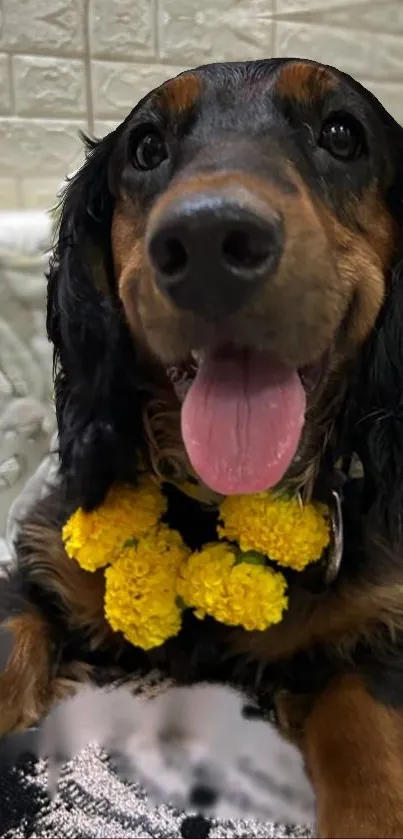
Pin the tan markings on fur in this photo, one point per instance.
(81, 592)
(379, 240)
(343, 283)
(291, 299)
(353, 751)
(127, 237)
(164, 325)
(179, 95)
(25, 682)
(304, 83)
(363, 253)
(352, 261)
(29, 686)
(135, 279)
(378, 226)
(161, 411)
(353, 264)
(292, 711)
(241, 186)
(338, 619)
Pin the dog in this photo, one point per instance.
(240, 231)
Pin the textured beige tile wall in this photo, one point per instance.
(71, 64)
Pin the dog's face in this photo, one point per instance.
(253, 224)
(253, 212)
(252, 230)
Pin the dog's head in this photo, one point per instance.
(245, 219)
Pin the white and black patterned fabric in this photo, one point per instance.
(93, 802)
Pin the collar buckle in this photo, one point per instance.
(335, 550)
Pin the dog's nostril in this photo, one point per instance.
(173, 257)
(244, 250)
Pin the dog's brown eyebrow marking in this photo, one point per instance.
(304, 83)
(180, 94)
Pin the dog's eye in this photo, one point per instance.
(343, 137)
(150, 151)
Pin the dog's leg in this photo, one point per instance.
(32, 678)
(354, 755)
(25, 670)
(41, 584)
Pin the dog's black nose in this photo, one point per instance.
(211, 252)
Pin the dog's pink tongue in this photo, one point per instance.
(241, 421)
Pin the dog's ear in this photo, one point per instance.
(374, 413)
(96, 369)
(379, 420)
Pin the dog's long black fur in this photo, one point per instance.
(101, 385)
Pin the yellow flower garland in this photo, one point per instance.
(292, 535)
(151, 577)
(96, 539)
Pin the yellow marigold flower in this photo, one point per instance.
(140, 592)
(96, 538)
(152, 577)
(202, 578)
(236, 593)
(256, 597)
(280, 528)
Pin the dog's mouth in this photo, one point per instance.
(242, 417)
